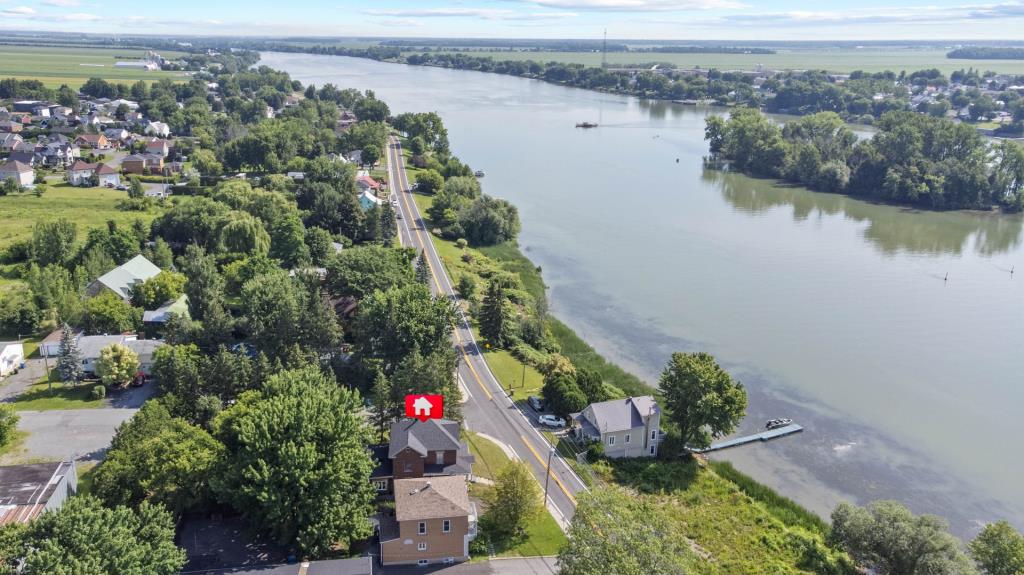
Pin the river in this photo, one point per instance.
(832, 311)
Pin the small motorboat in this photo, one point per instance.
(586, 125)
(479, 173)
(777, 423)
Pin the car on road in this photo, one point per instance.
(551, 421)
(535, 402)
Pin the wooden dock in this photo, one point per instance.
(763, 436)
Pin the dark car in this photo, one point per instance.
(535, 402)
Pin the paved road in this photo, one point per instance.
(516, 566)
(488, 409)
(80, 433)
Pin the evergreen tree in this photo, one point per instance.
(494, 317)
(388, 224)
(205, 285)
(423, 268)
(69, 364)
(383, 405)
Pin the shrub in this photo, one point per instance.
(462, 243)
(8, 422)
(98, 392)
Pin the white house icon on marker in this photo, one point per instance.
(422, 406)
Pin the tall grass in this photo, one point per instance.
(783, 508)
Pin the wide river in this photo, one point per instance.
(896, 337)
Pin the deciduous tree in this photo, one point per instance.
(702, 398)
(117, 365)
(515, 501)
(999, 549)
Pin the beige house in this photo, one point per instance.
(21, 173)
(434, 522)
(628, 427)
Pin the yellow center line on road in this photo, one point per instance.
(403, 184)
(543, 463)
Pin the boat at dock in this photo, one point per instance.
(586, 125)
(479, 173)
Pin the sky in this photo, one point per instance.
(623, 19)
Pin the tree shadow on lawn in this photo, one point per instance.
(653, 475)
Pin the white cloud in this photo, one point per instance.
(639, 5)
(482, 13)
(880, 15)
(18, 12)
(62, 3)
(77, 17)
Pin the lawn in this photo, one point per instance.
(841, 60)
(510, 373)
(39, 397)
(489, 457)
(86, 475)
(74, 65)
(87, 207)
(13, 447)
(543, 537)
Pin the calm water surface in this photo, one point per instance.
(832, 311)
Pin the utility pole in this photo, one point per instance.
(547, 478)
(523, 382)
(604, 50)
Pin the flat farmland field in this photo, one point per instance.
(73, 66)
(839, 60)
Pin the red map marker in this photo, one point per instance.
(424, 407)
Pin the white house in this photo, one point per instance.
(21, 173)
(50, 346)
(158, 129)
(107, 176)
(626, 427)
(12, 354)
(90, 346)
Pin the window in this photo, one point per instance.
(423, 528)
(449, 560)
(422, 562)
(611, 440)
(408, 467)
(446, 526)
(381, 484)
(421, 547)
(627, 438)
(652, 450)
(654, 434)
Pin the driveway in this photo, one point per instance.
(73, 433)
(14, 385)
(516, 566)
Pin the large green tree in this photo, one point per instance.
(117, 365)
(613, 531)
(158, 458)
(702, 399)
(108, 313)
(515, 500)
(358, 272)
(496, 316)
(887, 538)
(53, 242)
(205, 286)
(69, 360)
(159, 289)
(84, 537)
(296, 461)
(999, 549)
(392, 323)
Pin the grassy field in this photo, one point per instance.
(73, 66)
(873, 59)
(87, 207)
(38, 397)
(736, 533)
(489, 457)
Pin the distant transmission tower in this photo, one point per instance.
(604, 50)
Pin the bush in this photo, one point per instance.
(462, 243)
(98, 392)
(8, 422)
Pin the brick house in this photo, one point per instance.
(420, 449)
(434, 522)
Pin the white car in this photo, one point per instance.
(551, 421)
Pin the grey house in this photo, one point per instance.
(124, 277)
(628, 427)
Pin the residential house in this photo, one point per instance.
(26, 491)
(9, 141)
(154, 320)
(26, 105)
(626, 427)
(122, 279)
(58, 154)
(159, 129)
(50, 346)
(107, 176)
(11, 126)
(16, 170)
(90, 347)
(434, 521)
(365, 182)
(367, 200)
(94, 141)
(355, 156)
(12, 354)
(80, 173)
(142, 164)
(116, 136)
(420, 449)
(158, 147)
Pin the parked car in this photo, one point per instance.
(551, 421)
(535, 402)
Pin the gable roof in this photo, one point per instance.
(621, 414)
(368, 182)
(26, 490)
(122, 278)
(431, 498)
(423, 436)
(15, 166)
(103, 169)
(81, 166)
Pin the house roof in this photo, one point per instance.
(423, 436)
(26, 489)
(620, 414)
(89, 346)
(385, 467)
(4, 344)
(134, 158)
(163, 313)
(15, 166)
(368, 182)
(431, 498)
(91, 137)
(81, 166)
(103, 169)
(144, 348)
(122, 278)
